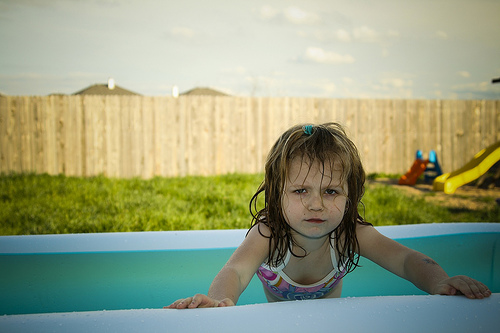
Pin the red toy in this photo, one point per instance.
(416, 170)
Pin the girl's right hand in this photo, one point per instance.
(199, 301)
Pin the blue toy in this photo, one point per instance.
(433, 168)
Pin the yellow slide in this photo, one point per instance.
(476, 167)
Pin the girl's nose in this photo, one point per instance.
(315, 203)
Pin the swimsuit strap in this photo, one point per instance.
(281, 266)
(333, 257)
(327, 278)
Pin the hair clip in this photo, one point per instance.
(308, 129)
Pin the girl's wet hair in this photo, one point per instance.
(326, 144)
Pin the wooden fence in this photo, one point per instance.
(135, 136)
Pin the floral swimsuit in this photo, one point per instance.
(284, 288)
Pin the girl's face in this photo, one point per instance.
(313, 199)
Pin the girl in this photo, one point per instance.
(309, 234)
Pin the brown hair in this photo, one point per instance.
(325, 143)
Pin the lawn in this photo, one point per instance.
(43, 204)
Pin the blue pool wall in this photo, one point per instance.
(88, 272)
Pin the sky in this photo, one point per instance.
(422, 49)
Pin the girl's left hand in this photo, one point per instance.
(462, 284)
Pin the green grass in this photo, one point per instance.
(43, 204)
(386, 205)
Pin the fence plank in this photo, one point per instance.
(9, 128)
(171, 137)
(25, 123)
(75, 111)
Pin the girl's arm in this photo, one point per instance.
(235, 276)
(414, 266)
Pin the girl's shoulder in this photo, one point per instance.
(365, 230)
(351, 231)
(259, 230)
(276, 251)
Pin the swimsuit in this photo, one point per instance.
(284, 288)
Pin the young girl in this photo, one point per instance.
(309, 234)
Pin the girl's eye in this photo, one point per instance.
(330, 191)
(300, 191)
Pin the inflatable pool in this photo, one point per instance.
(121, 281)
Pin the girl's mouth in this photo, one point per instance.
(315, 220)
